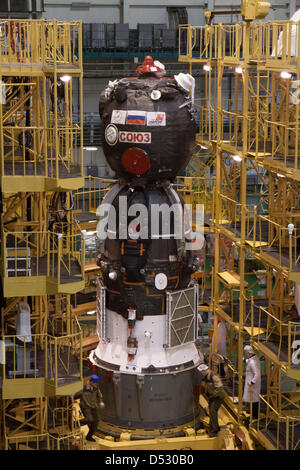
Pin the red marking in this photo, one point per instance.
(147, 65)
(140, 137)
(136, 161)
(108, 375)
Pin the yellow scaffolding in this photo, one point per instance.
(254, 132)
(42, 247)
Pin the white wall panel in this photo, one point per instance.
(99, 12)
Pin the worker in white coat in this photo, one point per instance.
(221, 346)
(252, 386)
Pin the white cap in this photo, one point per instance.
(202, 367)
(248, 349)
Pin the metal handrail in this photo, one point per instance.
(274, 325)
(272, 415)
(32, 41)
(51, 251)
(50, 347)
(90, 196)
(39, 440)
(283, 239)
(269, 41)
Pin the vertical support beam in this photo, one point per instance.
(55, 136)
(1, 128)
(218, 214)
(59, 255)
(243, 193)
(55, 362)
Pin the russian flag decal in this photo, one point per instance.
(136, 117)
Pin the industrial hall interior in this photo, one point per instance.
(150, 225)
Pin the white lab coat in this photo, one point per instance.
(221, 342)
(252, 375)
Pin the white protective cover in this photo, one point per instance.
(221, 342)
(23, 323)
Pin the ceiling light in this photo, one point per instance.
(285, 74)
(91, 312)
(207, 67)
(90, 149)
(237, 158)
(65, 78)
(239, 70)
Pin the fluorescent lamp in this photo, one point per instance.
(280, 175)
(239, 70)
(237, 158)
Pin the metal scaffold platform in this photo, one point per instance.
(254, 132)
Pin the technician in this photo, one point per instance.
(90, 404)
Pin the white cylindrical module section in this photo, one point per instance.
(150, 334)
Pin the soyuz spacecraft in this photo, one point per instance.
(146, 301)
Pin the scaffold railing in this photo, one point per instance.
(205, 43)
(45, 441)
(283, 337)
(40, 42)
(276, 42)
(207, 120)
(231, 212)
(281, 139)
(231, 381)
(197, 190)
(89, 197)
(42, 156)
(271, 44)
(282, 430)
(42, 356)
(29, 254)
(279, 242)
